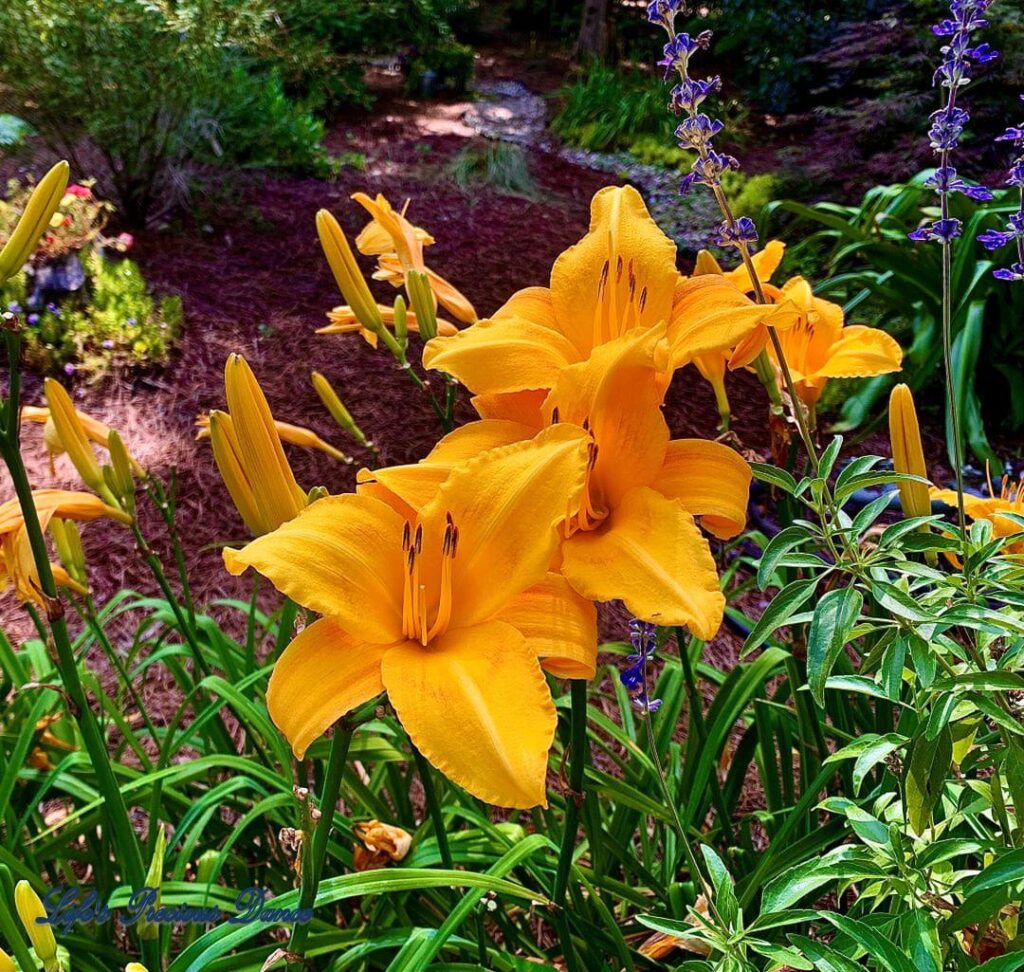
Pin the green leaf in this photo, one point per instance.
(824, 957)
(868, 751)
(834, 619)
(774, 476)
(782, 607)
(927, 768)
(847, 862)
(880, 948)
(775, 550)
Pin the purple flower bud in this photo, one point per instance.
(69, 369)
(942, 229)
(993, 239)
(14, 307)
(108, 344)
(1013, 275)
(742, 233)
(32, 318)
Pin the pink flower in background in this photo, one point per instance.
(125, 241)
(83, 192)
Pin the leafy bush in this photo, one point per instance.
(871, 267)
(499, 165)
(113, 323)
(178, 83)
(608, 109)
(447, 66)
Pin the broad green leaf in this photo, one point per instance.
(834, 618)
(927, 768)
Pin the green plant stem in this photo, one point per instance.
(317, 848)
(433, 806)
(697, 717)
(114, 807)
(951, 402)
(577, 767)
(156, 569)
(156, 493)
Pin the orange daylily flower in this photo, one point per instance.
(343, 320)
(632, 536)
(819, 346)
(17, 565)
(250, 458)
(398, 246)
(297, 435)
(95, 431)
(450, 610)
(712, 364)
(619, 277)
(993, 508)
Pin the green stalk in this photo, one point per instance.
(697, 717)
(433, 806)
(114, 807)
(316, 849)
(577, 766)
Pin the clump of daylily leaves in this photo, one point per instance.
(443, 616)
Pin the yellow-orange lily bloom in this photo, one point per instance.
(907, 451)
(405, 253)
(17, 565)
(297, 435)
(343, 320)
(712, 364)
(619, 277)
(993, 508)
(632, 536)
(447, 610)
(819, 346)
(94, 429)
(248, 452)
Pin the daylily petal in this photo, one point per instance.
(342, 557)
(451, 298)
(626, 250)
(406, 242)
(560, 627)
(484, 681)
(710, 314)
(416, 484)
(711, 480)
(766, 261)
(860, 353)
(324, 673)
(61, 503)
(506, 504)
(530, 304)
(523, 406)
(617, 394)
(505, 354)
(651, 556)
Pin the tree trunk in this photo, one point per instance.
(593, 37)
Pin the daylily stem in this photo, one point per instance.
(433, 806)
(577, 767)
(114, 807)
(317, 848)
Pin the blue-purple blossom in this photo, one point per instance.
(690, 93)
(942, 229)
(945, 179)
(663, 12)
(1015, 274)
(643, 636)
(697, 130)
(959, 55)
(743, 232)
(993, 239)
(32, 318)
(14, 307)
